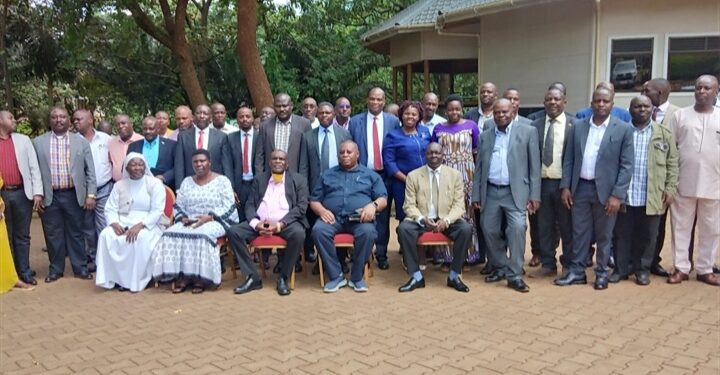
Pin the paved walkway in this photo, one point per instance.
(73, 327)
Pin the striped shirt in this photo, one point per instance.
(60, 161)
(637, 192)
(282, 135)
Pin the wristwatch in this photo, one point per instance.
(92, 196)
(375, 204)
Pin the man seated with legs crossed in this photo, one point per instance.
(346, 199)
(428, 210)
(276, 205)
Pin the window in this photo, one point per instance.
(691, 57)
(630, 63)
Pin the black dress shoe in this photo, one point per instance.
(282, 286)
(616, 277)
(658, 270)
(601, 283)
(92, 267)
(53, 277)
(383, 264)
(298, 267)
(488, 269)
(249, 285)
(494, 277)
(716, 269)
(84, 275)
(29, 280)
(33, 273)
(411, 285)
(518, 285)
(642, 279)
(570, 279)
(458, 285)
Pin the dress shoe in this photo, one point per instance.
(411, 285)
(716, 269)
(601, 283)
(92, 267)
(534, 261)
(33, 273)
(544, 272)
(383, 264)
(488, 269)
(29, 280)
(458, 285)
(616, 277)
(494, 277)
(642, 278)
(571, 279)
(53, 277)
(677, 277)
(282, 286)
(657, 270)
(276, 269)
(709, 278)
(84, 275)
(310, 258)
(518, 285)
(249, 285)
(298, 267)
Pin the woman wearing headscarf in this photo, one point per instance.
(134, 211)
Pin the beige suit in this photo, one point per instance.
(28, 165)
(451, 202)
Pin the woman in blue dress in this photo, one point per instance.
(404, 150)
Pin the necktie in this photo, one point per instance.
(434, 194)
(201, 140)
(325, 152)
(547, 156)
(246, 160)
(654, 113)
(376, 146)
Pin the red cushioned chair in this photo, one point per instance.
(432, 239)
(276, 243)
(343, 240)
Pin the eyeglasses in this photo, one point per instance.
(343, 106)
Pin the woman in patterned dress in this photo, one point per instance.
(459, 138)
(205, 208)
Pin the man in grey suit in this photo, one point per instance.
(597, 168)
(68, 176)
(22, 191)
(242, 144)
(282, 132)
(507, 185)
(205, 137)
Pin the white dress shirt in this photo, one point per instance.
(369, 134)
(250, 134)
(101, 157)
(592, 147)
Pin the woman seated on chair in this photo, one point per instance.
(187, 252)
(134, 211)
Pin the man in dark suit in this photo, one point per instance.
(597, 168)
(282, 132)
(202, 136)
(243, 144)
(68, 177)
(320, 153)
(158, 151)
(507, 185)
(488, 96)
(368, 130)
(553, 218)
(277, 206)
(541, 113)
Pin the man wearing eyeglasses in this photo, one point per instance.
(343, 109)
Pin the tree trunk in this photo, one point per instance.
(3, 58)
(188, 76)
(249, 54)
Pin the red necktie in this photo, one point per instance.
(376, 146)
(200, 140)
(246, 144)
(654, 113)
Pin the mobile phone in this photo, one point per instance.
(190, 222)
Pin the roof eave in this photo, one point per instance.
(460, 16)
(369, 40)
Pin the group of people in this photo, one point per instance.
(606, 176)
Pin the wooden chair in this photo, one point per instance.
(276, 243)
(433, 239)
(343, 240)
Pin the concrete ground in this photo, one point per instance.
(71, 326)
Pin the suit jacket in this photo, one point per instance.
(82, 168)
(358, 132)
(235, 140)
(310, 156)
(166, 158)
(614, 165)
(539, 124)
(296, 193)
(473, 114)
(451, 200)
(541, 114)
(523, 161)
(491, 123)
(218, 148)
(28, 164)
(266, 145)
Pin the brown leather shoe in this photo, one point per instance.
(677, 277)
(709, 278)
(534, 261)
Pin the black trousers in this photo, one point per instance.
(62, 223)
(409, 231)
(635, 236)
(535, 241)
(240, 236)
(18, 216)
(554, 222)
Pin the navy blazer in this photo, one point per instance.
(358, 131)
(310, 153)
(296, 193)
(219, 150)
(166, 158)
(614, 165)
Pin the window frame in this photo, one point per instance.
(653, 65)
(666, 54)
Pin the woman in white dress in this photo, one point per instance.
(187, 252)
(134, 210)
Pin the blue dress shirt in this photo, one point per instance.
(498, 173)
(151, 151)
(342, 191)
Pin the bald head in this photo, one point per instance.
(430, 103)
(283, 106)
(706, 92)
(183, 117)
(606, 85)
(488, 95)
(7, 123)
(657, 90)
(202, 116)
(503, 113)
(641, 108)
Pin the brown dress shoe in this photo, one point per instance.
(677, 277)
(534, 261)
(709, 278)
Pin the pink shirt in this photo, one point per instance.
(118, 150)
(274, 205)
